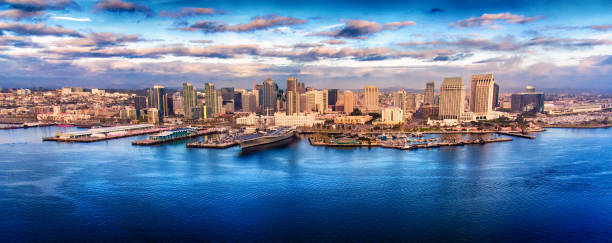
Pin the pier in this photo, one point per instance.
(406, 146)
(100, 134)
(212, 145)
(516, 134)
(165, 138)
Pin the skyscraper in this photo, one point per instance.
(399, 99)
(528, 101)
(495, 95)
(481, 94)
(227, 96)
(411, 102)
(189, 99)
(349, 102)
(333, 96)
(159, 99)
(211, 99)
(452, 98)
(140, 102)
(371, 98)
(293, 97)
(268, 97)
(316, 100)
(429, 93)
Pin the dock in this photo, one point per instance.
(408, 147)
(516, 134)
(101, 134)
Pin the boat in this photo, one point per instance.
(65, 125)
(272, 137)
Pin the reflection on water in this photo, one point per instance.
(553, 188)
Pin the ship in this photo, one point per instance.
(273, 137)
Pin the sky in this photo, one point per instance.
(326, 44)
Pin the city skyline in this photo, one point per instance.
(134, 44)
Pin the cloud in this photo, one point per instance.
(447, 58)
(17, 41)
(334, 42)
(18, 14)
(189, 12)
(607, 61)
(37, 29)
(508, 43)
(201, 41)
(119, 6)
(306, 45)
(397, 25)
(214, 51)
(71, 18)
(600, 27)
(257, 23)
(491, 19)
(361, 29)
(101, 39)
(436, 10)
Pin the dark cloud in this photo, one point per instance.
(334, 42)
(37, 29)
(362, 29)
(190, 12)
(17, 41)
(201, 41)
(306, 45)
(257, 23)
(119, 6)
(38, 5)
(604, 27)
(449, 58)
(490, 19)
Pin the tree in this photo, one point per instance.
(356, 112)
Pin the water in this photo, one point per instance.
(555, 188)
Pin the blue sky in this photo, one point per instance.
(327, 44)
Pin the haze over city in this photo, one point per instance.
(328, 44)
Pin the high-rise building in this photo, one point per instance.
(249, 101)
(238, 100)
(495, 95)
(316, 100)
(212, 106)
(140, 102)
(293, 97)
(528, 101)
(411, 102)
(333, 96)
(269, 95)
(189, 99)
(399, 99)
(392, 115)
(371, 98)
(452, 98)
(349, 102)
(481, 94)
(158, 99)
(301, 87)
(178, 103)
(429, 93)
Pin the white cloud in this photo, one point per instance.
(72, 19)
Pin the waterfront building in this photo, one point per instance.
(352, 120)
(481, 95)
(528, 101)
(452, 98)
(189, 99)
(211, 100)
(371, 98)
(151, 115)
(392, 115)
(269, 94)
(429, 93)
(349, 102)
(306, 120)
(399, 99)
(293, 98)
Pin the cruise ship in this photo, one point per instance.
(275, 136)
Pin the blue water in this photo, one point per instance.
(557, 187)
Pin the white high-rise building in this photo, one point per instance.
(452, 98)
(399, 99)
(481, 94)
